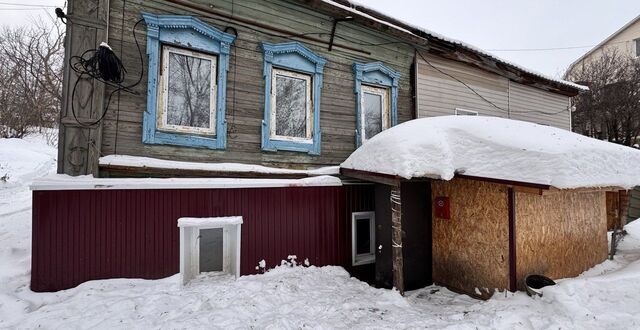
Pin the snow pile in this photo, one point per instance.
(605, 297)
(498, 148)
(85, 182)
(145, 162)
(214, 221)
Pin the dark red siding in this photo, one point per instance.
(98, 234)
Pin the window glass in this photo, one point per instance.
(363, 236)
(188, 95)
(372, 105)
(291, 106)
(189, 91)
(375, 111)
(211, 250)
(637, 47)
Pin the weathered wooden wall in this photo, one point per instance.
(471, 249)
(634, 204)
(79, 145)
(561, 234)
(245, 85)
(439, 94)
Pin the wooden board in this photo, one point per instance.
(471, 249)
(560, 235)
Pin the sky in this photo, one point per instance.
(493, 25)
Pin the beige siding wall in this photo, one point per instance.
(623, 43)
(440, 95)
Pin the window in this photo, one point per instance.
(292, 115)
(186, 92)
(463, 112)
(375, 108)
(376, 88)
(363, 240)
(293, 80)
(209, 245)
(637, 44)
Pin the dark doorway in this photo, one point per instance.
(416, 235)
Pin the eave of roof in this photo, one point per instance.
(603, 42)
(464, 52)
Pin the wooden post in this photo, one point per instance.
(511, 202)
(79, 146)
(396, 238)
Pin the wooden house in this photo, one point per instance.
(285, 91)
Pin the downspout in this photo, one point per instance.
(414, 84)
(511, 204)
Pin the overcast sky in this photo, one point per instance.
(489, 24)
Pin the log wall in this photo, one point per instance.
(122, 133)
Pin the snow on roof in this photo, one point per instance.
(497, 148)
(145, 162)
(87, 182)
(355, 4)
(209, 222)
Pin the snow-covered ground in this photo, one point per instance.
(605, 297)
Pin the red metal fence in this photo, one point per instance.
(83, 235)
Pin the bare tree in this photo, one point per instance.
(611, 108)
(31, 62)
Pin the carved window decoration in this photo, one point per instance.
(376, 89)
(293, 80)
(188, 63)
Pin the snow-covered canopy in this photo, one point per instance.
(490, 147)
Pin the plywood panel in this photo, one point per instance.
(471, 249)
(560, 235)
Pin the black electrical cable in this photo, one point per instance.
(108, 70)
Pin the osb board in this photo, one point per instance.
(471, 249)
(613, 209)
(560, 235)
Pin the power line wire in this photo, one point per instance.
(26, 5)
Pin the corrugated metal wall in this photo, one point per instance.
(99, 234)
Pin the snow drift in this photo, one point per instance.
(490, 147)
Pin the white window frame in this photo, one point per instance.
(383, 92)
(465, 112)
(366, 258)
(164, 92)
(309, 105)
(190, 246)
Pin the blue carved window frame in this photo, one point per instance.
(292, 56)
(375, 74)
(190, 33)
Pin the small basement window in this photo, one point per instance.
(209, 245)
(375, 106)
(291, 100)
(464, 112)
(363, 239)
(187, 100)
